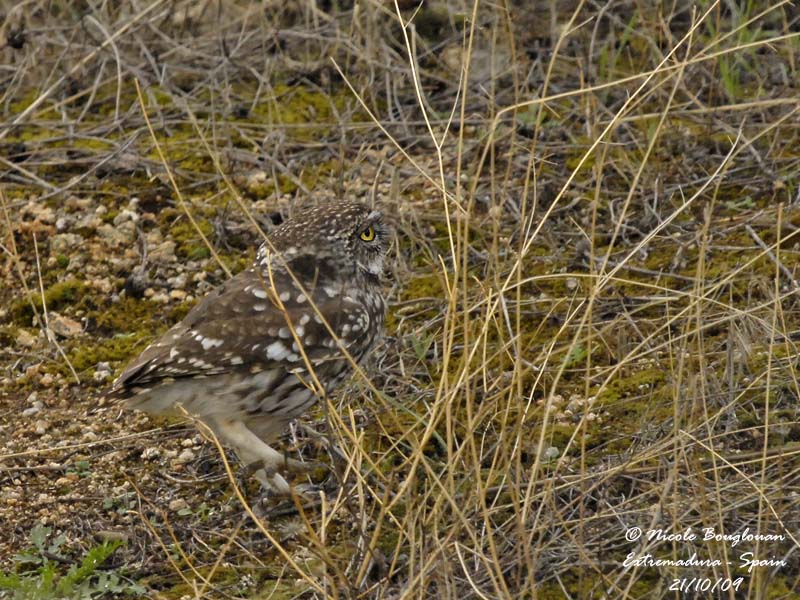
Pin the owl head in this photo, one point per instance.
(343, 236)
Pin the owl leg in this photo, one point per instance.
(252, 449)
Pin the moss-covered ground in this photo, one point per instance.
(592, 291)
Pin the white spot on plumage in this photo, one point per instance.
(277, 351)
(285, 296)
(301, 298)
(259, 293)
(236, 360)
(259, 307)
(284, 332)
(173, 353)
(209, 343)
(304, 319)
(299, 330)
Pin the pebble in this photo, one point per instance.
(124, 216)
(151, 453)
(102, 371)
(24, 338)
(185, 456)
(64, 326)
(29, 412)
(117, 236)
(39, 212)
(178, 504)
(164, 252)
(40, 427)
(65, 243)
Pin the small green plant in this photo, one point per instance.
(41, 572)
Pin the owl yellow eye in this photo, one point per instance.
(368, 234)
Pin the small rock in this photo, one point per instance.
(29, 412)
(64, 326)
(258, 183)
(24, 338)
(178, 282)
(185, 456)
(74, 203)
(124, 216)
(153, 238)
(39, 212)
(575, 403)
(103, 285)
(10, 494)
(65, 243)
(117, 236)
(179, 295)
(63, 223)
(151, 453)
(47, 380)
(102, 371)
(40, 427)
(164, 252)
(89, 221)
(178, 504)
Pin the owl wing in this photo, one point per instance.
(239, 326)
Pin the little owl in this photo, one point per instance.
(260, 349)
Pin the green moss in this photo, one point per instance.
(8, 335)
(56, 296)
(189, 243)
(117, 349)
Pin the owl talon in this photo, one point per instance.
(273, 482)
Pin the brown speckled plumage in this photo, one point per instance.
(246, 358)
